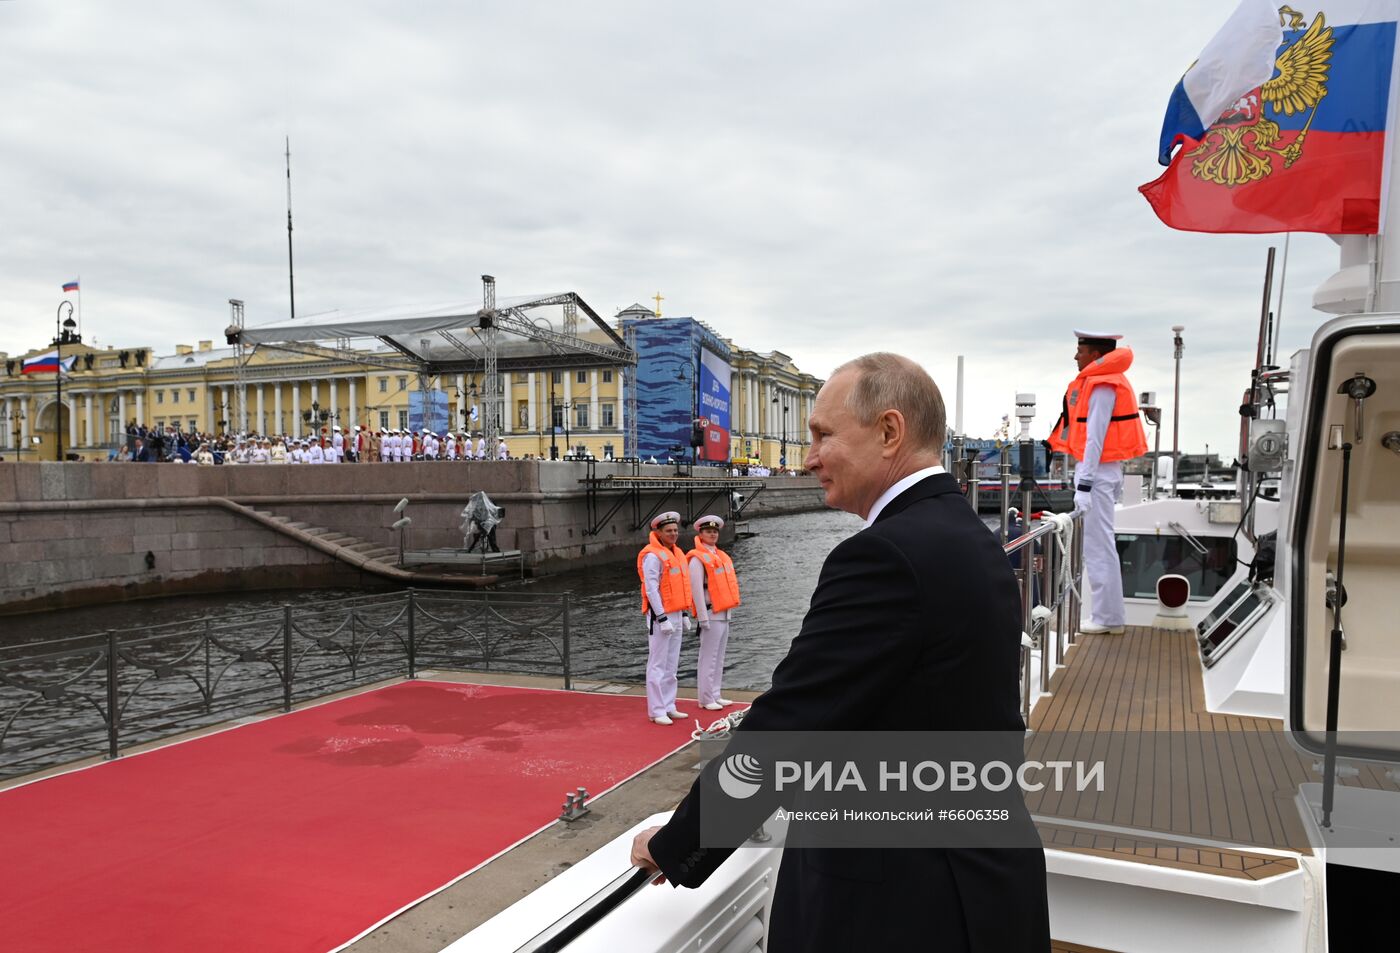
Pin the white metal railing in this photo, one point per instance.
(1052, 560)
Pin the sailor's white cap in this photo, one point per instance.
(336, 429)
(661, 519)
(1098, 335)
(708, 522)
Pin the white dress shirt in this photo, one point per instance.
(899, 488)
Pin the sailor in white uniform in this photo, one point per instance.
(664, 629)
(713, 623)
(337, 446)
(481, 447)
(314, 453)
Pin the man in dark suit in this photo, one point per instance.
(914, 626)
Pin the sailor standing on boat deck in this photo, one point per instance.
(665, 600)
(1100, 426)
(715, 591)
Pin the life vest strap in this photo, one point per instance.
(1117, 419)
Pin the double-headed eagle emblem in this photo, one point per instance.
(1241, 145)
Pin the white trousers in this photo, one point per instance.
(663, 657)
(1101, 564)
(710, 669)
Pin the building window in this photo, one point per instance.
(194, 425)
(174, 396)
(556, 377)
(160, 397)
(160, 424)
(384, 387)
(607, 415)
(581, 377)
(403, 420)
(403, 385)
(522, 414)
(580, 415)
(557, 416)
(607, 377)
(383, 415)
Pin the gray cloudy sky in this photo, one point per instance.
(821, 178)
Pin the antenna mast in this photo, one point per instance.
(291, 280)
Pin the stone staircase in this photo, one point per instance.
(373, 558)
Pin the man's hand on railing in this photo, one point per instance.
(641, 854)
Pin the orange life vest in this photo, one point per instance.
(674, 584)
(721, 584)
(1126, 438)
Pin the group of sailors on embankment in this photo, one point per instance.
(331, 445)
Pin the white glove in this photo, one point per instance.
(1083, 501)
(704, 625)
(664, 627)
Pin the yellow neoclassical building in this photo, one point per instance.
(201, 388)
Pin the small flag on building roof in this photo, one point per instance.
(70, 286)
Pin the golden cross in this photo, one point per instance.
(658, 299)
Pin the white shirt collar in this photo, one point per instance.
(899, 488)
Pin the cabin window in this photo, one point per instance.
(1145, 559)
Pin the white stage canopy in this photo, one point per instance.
(427, 332)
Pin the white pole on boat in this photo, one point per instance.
(1278, 311)
(1176, 407)
(958, 414)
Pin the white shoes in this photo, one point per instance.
(1093, 628)
(713, 706)
(676, 715)
(662, 720)
(724, 701)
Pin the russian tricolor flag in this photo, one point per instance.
(70, 286)
(1280, 125)
(47, 364)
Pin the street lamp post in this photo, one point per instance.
(553, 447)
(61, 334)
(16, 419)
(694, 378)
(782, 443)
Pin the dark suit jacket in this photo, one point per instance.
(915, 625)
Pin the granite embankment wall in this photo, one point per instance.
(77, 533)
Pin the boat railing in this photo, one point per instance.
(1049, 562)
(94, 694)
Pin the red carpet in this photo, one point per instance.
(300, 832)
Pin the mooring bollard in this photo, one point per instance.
(575, 805)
